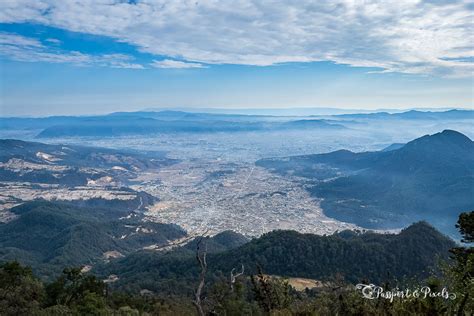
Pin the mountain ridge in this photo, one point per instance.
(360, 255)
(431, 177)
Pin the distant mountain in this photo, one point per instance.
(310, 124)
(80, 156)
(83, 176)
(293, 111)
(51, 236)
(192, 121)
(170, 115)
(356, 256)
(415, 115)
(38, 122)
(430, 178)
(70, 165)
(129, 124)
(142, 126)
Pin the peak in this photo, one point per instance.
(445, 137)
(451, 135)
(230, 238)
(422, 227)
(450, 132)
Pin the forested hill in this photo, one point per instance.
(51, 236)
(430, 178)
(76, 293)
(356, 256)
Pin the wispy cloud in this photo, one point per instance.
(411, 36)
(168, 63)
(27, 49)
(53, 41)
(20, 41)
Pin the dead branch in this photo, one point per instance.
(201, 259)
(233, 277)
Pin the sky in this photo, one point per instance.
(73, 57)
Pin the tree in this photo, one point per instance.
(20, 292)
(461, 273)
(271, 293)
(81, 292)
(466, 226)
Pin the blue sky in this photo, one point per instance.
(84, 57)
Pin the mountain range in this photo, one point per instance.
(415, 115)
(153, 122)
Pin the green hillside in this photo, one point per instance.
(50, 236)
(356, 256)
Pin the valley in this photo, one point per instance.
(157, 193)
(248, 181)
(228, 158)
(241, 197)
(197, 194)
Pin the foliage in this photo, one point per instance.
(414, 252)
(76, 293)
(465, 225)
(49, 236)
(20, 292)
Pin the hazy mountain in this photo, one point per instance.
(430, 178)
(172, 115)
(131, 125)
(415, 115)
(173, 121)
(38, 122)
(310, 124)
(293, 111)
(142, 126)
(266, 111)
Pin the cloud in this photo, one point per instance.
(27, 49)
(53, 41)
(17, 40)
(411, 36)
(168, 63)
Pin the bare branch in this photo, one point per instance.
(233, 277)
(201, 259)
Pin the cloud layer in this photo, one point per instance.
(25, 49)
(168, 63)
(422, 37)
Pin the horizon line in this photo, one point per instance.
(228, 111)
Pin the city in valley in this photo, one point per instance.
(203, 182)
(210, 185)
